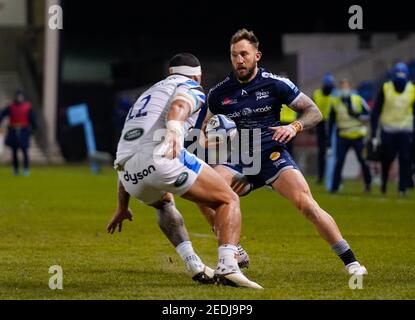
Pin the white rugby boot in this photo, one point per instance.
(355, 268)
(231, 275)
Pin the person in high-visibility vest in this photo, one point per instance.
(287, 116)
(22, 124)
(350, 112)
(322, 98)
(394, 108)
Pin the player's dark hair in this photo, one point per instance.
(184, 59)
(244, 34)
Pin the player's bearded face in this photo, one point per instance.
(246, 71)
(244, 60)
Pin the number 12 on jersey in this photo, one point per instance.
(140, 111)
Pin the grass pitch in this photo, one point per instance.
(58, 215)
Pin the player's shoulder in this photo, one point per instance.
(190, 83)
(221, 85)
(278, 80)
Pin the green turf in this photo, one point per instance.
(58, 216)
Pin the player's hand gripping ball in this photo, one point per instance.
(220, 129)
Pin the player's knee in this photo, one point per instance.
(230, 198)
(307, 205)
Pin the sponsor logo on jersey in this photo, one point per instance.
(235, 114)
(262, 109)
(246, 111)
(229, 101)
(279, 162)
(274, 156)
(135, 177)
(181, 179)
(219, 84)
(133, 134)
(244, 93)
(261, 95)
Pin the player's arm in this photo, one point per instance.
(308, 116)
(203, 141)
(186, 100)
(179, 112)
(123, 212)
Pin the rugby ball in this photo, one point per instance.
(220, 128)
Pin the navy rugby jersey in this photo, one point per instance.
(252, 105)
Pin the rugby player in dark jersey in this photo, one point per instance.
(252, 97)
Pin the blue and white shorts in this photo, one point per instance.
(148, 179)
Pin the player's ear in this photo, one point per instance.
(197, 78)
(258, 55)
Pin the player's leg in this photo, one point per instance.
(169, 218)
(241, 186)
(171, 222)
(209, 214)
(229, 176)
(292, 185)
(341, 151)
(359, 146)
(238, 182)
(211, 190)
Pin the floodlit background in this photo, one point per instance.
(105, 56)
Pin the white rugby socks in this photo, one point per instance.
(227, 258)
(185, 249)
(193, 263)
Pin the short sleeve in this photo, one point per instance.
(192, 93)
(287, 90)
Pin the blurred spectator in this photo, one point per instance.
(350, 113)
(394, 109)
(322, 98)
(22, 124)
